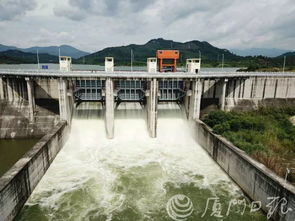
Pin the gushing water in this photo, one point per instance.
(133, 176)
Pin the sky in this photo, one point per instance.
(92, 25)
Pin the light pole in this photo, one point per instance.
(222, 64)
(38, 58)
(284, 64)
(131, 59)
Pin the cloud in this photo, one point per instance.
(95, 24)
(10, 9)
(79, 9)
(45, 36)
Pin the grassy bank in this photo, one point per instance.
(265, 134)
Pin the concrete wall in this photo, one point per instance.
(257, 181)
(13, 90)
(15, 122)
(20, 117)
(18, 183)
(46, 88)
(249, 93)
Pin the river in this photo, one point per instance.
(134, 177)
(11, 150)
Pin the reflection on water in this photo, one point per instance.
(133, 176)
(11, 150)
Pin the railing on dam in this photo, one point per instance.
(139, 74)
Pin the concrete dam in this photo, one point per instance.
(101, 173)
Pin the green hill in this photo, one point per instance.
(19, 57)
(210, 55)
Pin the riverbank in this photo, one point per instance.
(266, 134)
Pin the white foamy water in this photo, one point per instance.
(130, 177)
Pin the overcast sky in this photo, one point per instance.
(95, 24)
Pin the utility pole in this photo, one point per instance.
(131, 60)
(284, 64)
(222, 64)
(38, 58)
(200, 54)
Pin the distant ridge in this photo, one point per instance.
(268, 52)
(66, 50)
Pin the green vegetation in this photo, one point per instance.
(266, 134)
(19, 57)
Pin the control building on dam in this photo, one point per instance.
(194, 90)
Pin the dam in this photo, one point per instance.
(101, 172)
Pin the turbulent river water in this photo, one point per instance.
(134, 177)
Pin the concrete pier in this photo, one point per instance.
(109, 107)
(152, 110)
(187, 97)
(2, 96)
(9, 90)
(14, 91)
(195, 100)
(31, 98)
(64, 109)
(223, 94)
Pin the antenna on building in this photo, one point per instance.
(38, 59)
(222, 64)
(284, 64)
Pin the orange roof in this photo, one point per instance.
(168, 54)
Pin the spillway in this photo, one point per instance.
(133, 176)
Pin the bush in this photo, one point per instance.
(267, 134)
(216, 117)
